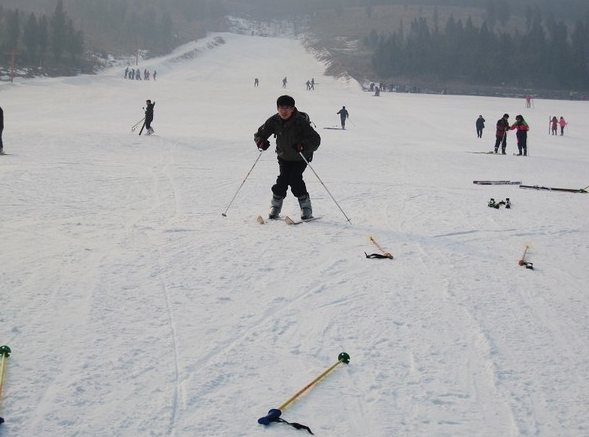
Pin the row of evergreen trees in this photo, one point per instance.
(545, 55)
(40, 40)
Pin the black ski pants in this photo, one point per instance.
(501, 141)
(148, 120)
(291, 174)
(522, 143)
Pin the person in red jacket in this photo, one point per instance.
(522, 134)
(562, 124)
(554, 125)
(501, 133)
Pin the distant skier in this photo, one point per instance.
(522, 134)
(554, 125)
(501, 133)
(149, 116)
(294, 136)
(1, 129)
(480, 126)
(562, 123)
(343, 116)
(256, 82)
(284, 82)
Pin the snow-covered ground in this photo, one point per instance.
(133, 308)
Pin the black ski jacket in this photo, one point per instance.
(297, 129)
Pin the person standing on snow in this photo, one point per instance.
(522, 134)
(562, 123)
(294, 136)
(501, 133)
(1, 129)
(343, 116)
(554, 125)
(149, 116)
(480, 126)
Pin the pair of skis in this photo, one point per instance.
(566, 190)
(496, 182)
(288, 220)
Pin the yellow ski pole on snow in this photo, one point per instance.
(5, 352)
(524, 262)
(384, 252)
(274, 414)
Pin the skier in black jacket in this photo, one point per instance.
(294, 136)
(1, 129)
(149, 116)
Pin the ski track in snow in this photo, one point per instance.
(133, 308)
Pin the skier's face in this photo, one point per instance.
(284, 112)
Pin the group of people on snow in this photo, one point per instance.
(521, 127)
(555, 123)
(135, 74)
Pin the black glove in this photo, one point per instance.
(263, 144)
(299, 147)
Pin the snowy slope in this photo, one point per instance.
(133, 308)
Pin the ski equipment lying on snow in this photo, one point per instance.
(496, 182)
(568, 190)
(496, 205)
(5, 352)
(523, 262)
(383, 254)
(488, 153)
(275, 413)
(290, 221)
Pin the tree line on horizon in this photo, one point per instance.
(545, 55)
(40, 40)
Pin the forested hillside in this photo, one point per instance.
(529, 43)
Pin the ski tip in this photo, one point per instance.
(289, 221)
(260, 220)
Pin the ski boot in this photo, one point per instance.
(306, 209)
(507, 203)
(492, 204)
(275, 207)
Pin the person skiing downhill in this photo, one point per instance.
(294, 136)
(149, 116)
(522, 134)
(501, 133)
(343, 116)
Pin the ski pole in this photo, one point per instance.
(384, 253)
(340, 208)
(351, 122)
(224, 214)
(137, 124)
(522, 261)
(274, 414)
(5, 352)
